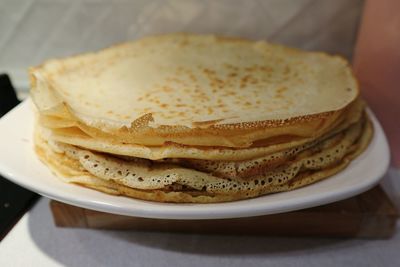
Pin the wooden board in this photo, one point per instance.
(369, 215)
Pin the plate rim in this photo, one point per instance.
(180, 210)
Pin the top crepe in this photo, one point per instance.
(196, 90)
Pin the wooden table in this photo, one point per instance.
(368, 215)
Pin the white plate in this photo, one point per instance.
(19, 163)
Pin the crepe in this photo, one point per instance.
(196, 90)
(197, 118)
(148, 180)
(77, 137)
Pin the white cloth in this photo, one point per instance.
(32, 31)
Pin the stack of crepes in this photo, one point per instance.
(197, 118)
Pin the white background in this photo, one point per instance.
(32, 31)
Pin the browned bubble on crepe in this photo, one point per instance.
(197, 118)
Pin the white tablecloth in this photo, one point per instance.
(35, 241)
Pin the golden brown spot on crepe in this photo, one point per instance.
(167, 89)
(192, 77)
(184, 43)
(221, 105)
(245, 78)
(232, 74)
(208, 71)
(266, 69)
(279, 92)
(286, 70)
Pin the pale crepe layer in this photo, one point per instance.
(196, 90)
(75, 136)
(75, 171)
